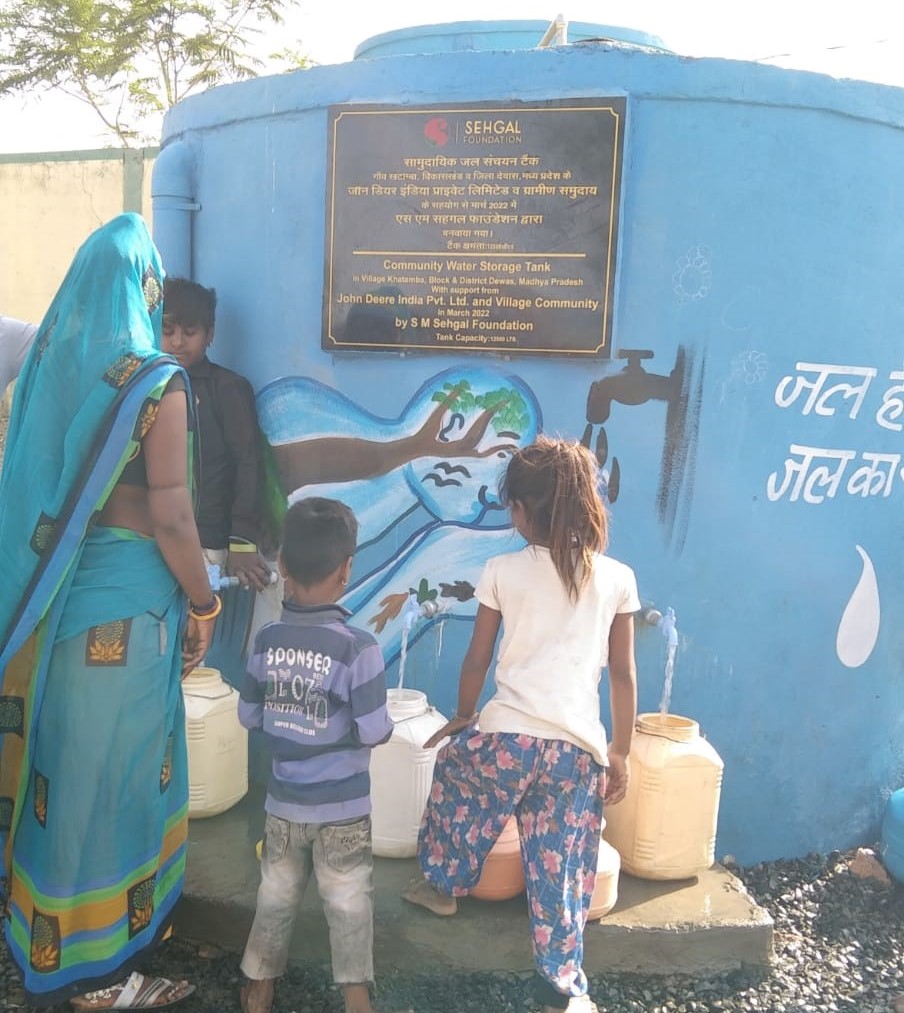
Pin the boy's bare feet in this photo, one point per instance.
(357, 999)
(420, 892)
(257, 996)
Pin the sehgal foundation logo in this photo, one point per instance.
(436, 130)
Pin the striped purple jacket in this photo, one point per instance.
(317, 688)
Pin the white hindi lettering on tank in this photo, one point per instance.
(892, 406)
(814, 474)
(858, 628)
(819, 395)
(808, 479)
(802, 478)
(871, 480)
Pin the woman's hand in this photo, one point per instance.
(617, 777)
(452, 727)
(196, 642)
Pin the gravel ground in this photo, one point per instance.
(839, 945)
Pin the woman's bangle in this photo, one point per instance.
(205, 612)
(462, 717)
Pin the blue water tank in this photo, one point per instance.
(748, 410)
(892, 846)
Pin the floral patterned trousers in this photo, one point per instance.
(555, 789)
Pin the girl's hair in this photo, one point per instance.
(557, 483)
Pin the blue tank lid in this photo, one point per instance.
(483, 36)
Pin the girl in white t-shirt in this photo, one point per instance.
(540, 752)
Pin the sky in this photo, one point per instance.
(860, 40)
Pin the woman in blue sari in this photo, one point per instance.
(98, 551)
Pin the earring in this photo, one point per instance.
(344, 583)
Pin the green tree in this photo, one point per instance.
(131, 60)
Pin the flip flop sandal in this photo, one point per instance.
(136, 992)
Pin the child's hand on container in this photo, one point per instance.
(451, 727)
(616, 778)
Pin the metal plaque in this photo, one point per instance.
(479, 227)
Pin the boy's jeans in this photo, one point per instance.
(340, 856)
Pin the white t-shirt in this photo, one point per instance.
(553, 649)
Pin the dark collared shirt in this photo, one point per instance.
(230, 456)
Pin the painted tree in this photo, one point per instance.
(130, 60)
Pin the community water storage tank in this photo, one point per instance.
(733, 287)
(217, 744)
(401, 771)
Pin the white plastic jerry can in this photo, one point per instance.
(665, 827)
(401, 772)
(217, 744)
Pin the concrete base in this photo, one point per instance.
(700, 926)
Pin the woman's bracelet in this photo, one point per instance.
(205, 612)
(241, 545)
(462, 717)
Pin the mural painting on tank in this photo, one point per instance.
(681, 390)
(423, 485)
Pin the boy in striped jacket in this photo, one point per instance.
(317, 688)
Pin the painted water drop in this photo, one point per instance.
(858, 629)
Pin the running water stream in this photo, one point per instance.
(668, 630)
(440, 628)
(403, 655)
(412, 614)
(667, 686)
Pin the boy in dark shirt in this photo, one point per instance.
(230, 450)
(317, 688)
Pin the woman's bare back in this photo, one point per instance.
(127, 507)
